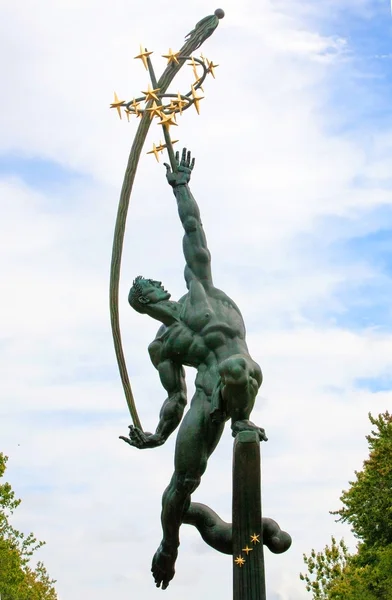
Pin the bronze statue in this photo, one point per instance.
(205, 330)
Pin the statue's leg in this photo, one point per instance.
(197, 438)
(239, 390)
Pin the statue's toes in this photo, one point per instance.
(279, 543)
(274, 538)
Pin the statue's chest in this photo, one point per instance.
(198, 310)
(183, 344)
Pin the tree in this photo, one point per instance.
(367, 504)
(325, 568)
(18, 579)
(334, 573)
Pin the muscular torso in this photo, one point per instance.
(209, 329)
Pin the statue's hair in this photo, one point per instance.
(135, 292)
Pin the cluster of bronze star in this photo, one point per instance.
(254, 539)
(166, 113)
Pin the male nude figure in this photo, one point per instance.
(205, 330)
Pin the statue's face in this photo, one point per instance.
(153, 292)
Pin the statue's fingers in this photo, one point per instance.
(177, 156)
(192, 163)
(138, 436)
(168, 169)
(183, 158)
(188, 158)
(263, 435)
(122, 437)
(134, 435)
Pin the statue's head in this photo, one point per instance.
(145, 294)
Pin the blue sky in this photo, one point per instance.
(37, 172)
(363, 95)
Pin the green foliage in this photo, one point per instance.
(18, 580)
(324, 568)
(367, 504)
(334, 573)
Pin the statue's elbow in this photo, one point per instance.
(190, 224)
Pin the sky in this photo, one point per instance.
(293, 149)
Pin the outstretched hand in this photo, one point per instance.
(142, 439)
(184, 169)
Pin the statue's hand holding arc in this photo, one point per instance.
(184, 169)
(142, 439)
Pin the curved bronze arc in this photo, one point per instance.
(118, 240)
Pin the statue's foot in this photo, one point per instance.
(163, 566)
(245, 425)
(274, 538)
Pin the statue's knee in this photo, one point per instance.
(187, 485)
(234, 371)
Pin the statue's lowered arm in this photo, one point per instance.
(172, 376)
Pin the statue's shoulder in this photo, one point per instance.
(223, 297)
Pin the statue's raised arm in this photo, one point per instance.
(197, 255)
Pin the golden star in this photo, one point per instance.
(128, 113)
(193, 64)
(135, 105)
(144, 54)
(200, 86)
(255, 538)
(239, 561)
(211, 67)
(161, 146)
(154, 151)
(196, 100)
(117, 104)
(155, 110)
(172, 57)
(151, 94)
(203, 58)
(247, 550)
(168, 120)
(178, 103)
